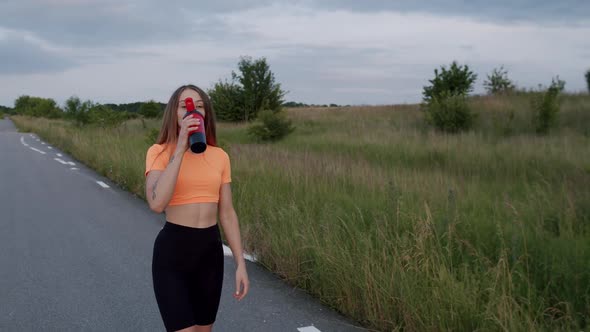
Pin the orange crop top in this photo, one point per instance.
(200, 175)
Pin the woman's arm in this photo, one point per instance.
(159, 185)
(229, 222)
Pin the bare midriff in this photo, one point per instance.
(198, 215)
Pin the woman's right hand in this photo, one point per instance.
(188, 124)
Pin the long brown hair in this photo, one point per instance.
(169, 130)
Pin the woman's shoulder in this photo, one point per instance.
(218, 151)
(157, 148)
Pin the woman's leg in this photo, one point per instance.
(208, 284)
(173, 281)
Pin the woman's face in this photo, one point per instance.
(181, 111)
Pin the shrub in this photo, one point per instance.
(271, 126)
(151, 109)
(546, 106)
(77, 111)
(105, 117)
(498, 82)
(456, 80)
(449, 113)
(37, 107)
(249, 92)
(226, 97)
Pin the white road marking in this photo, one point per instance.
(22, 140)
(61, 161)
(249, 257)
(308, 329)
(59, 155)
(74, 169)
(102, 184)
(71, 163)
(50, 148)
(41, 152)
(227, 252)
(43, 143)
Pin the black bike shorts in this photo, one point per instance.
(187, 274)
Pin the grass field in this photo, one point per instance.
(396, 225)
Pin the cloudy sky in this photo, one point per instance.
(321, 51)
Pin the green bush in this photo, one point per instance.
(249, 92)
(227, 99)
(498, 82)
(271, 126)
(545, 106)
(445, 104)
(105, 117)
(6, 110)
(37, 107)
(457, 80)
(151, 109)
(77, 111)
(449, 113)
(588, 79)
(88, 112)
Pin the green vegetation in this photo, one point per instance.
(546, 106)
(445, 104)
(151, 109)
(271, 126)
(498, 82)
(6, 110)
(251, 90)
(449, 113)
(457, 80)
(36, 106)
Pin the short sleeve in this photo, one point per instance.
(226, 173)
(154, 159)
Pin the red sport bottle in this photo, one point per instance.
(196, 138)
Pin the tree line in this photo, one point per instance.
(253, 90)
(251, 95)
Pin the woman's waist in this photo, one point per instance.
(197, 215)
(193, 236)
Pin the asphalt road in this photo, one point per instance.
(75, 254)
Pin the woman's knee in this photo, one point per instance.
(199, 328)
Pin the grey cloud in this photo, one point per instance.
(122, 23)
(116, 23)
(21, 57)
(546, 12)
(91, 24)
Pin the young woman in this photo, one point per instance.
(192, 189)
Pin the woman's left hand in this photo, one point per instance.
(242, 283)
